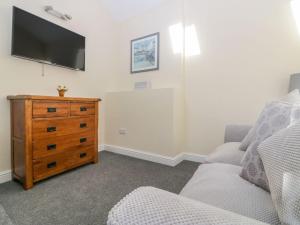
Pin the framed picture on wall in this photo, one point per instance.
(145, 53)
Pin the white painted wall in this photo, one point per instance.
(248, 51)
(24, 77)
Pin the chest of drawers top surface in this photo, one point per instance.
(53, 98)
(51, 135)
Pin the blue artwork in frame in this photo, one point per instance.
(145, 53)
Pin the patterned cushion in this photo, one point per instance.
(221, 186)
(227, 153)
(281, 157)
(151, 206)
(247, 140)
(292, 98)
(275, 116)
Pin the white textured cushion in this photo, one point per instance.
(275, 116)
(281, 157)
(221, 186)
(151, 206)
(292, 98)
(228, 153)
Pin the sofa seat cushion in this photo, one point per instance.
(221, 186)
(228, 153)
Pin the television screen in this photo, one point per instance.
(37, 39)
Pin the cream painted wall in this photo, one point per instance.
(158, 20)
(154, 118)
(248, 51)
(151, 117)
(24, 77)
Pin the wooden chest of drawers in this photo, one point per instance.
(51, 135)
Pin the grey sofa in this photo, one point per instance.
(216, 194)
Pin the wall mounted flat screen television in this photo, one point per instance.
(37, 39)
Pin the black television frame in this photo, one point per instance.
(38, 60)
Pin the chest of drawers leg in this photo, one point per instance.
(51, 135)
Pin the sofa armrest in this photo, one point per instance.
(236, 133)
(153, 206)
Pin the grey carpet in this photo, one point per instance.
(85, 195)
(4, 219)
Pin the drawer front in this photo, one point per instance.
(51, 146)
(52, 128)
(81, 109)
(50, 109)
(46, 167)
(82, 156)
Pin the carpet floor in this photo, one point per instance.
(85, 195)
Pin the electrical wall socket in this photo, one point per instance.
(123, 131)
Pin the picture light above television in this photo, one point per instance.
(39, 40)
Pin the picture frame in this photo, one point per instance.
(145, 53)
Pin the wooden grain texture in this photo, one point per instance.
(42, 109)
(18, 120)
(49, 166)
(82, 109)
(53, 165)
(51, 146)
(18, 140)
(28, 183)
(81, 156)
(18, 158)
(50, 128)
(96, 146)
(50, 135)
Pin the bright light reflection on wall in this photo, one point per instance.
(295, 4)
(191, 41)
(176, 33)
(184, 39)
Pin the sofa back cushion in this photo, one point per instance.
(281, 158)
(276, 116)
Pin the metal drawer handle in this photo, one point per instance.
(83, 109)
(51, 165)
(82, 140)
(83, 125)
(51, 129)
(51, 147)
(51, 110)
(83, 155)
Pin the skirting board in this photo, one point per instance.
(5, 176)
(169, 161)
